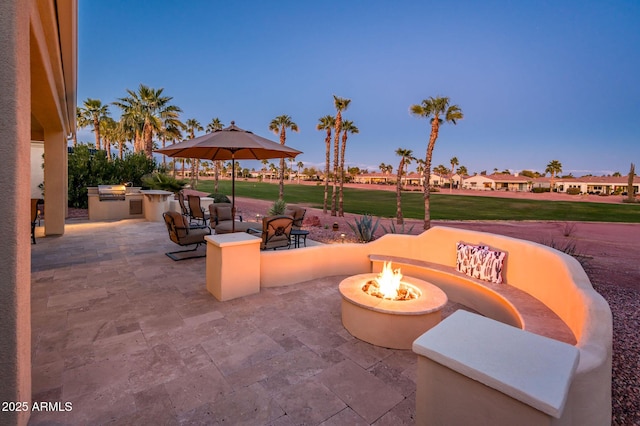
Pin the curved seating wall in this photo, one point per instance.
(552, 277)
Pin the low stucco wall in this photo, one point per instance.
(552, 277)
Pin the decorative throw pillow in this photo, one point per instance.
(464, 256)
(488, 264)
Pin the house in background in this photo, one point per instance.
(605, 185)
(497, 182)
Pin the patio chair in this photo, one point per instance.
(297, 213)
(196, 214)
(183, 206)
(275, 233)
(37, 205)
(220, 213)
(181, 234)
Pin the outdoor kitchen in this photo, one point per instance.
(118, 202)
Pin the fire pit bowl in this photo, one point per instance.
(385, 322)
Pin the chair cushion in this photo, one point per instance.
(223, 213)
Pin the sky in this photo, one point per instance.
(536, 80)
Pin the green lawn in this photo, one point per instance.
(443, 206)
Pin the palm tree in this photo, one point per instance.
(279, 125)
(300, 165)
(193, 126)
(454, 162)
(214, 125)
(405, 156)
(92, 111)
(341, 104)
(462, 171)
(347, 127)
(81, 122)
(554, 167)
(439, 111)
(144, 110)
(326, 123)
(108, 128)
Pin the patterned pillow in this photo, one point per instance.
(487, 265)
(464, 256)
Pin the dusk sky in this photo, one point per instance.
(536, 80)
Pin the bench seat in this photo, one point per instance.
(501, 302)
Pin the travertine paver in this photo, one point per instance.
(129, 336)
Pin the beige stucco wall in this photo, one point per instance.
(37, 38)
(554, 278)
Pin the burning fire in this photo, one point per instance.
(389, 281)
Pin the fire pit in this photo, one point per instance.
(390, 310)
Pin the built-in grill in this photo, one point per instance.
(111, 192)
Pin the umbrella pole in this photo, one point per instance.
(233, 192)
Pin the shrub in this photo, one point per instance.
(540, 190)
(219, 198)
(392, 228)
(573, 191)
(278, 208)
(163, 181)
(364, 228)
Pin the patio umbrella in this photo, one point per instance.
(231, 143)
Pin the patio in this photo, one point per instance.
(129, 336)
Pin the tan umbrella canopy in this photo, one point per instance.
(231, 143)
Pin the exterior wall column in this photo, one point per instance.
(15, 250)
(55, 178)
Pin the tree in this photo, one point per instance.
(327, 123)
(454, 162)
(347, 127)
(631, 195)
(108, 129)
(462, 171)
(214, 125)
(144, 110)
(279, 125)
(92, 111)
(405, 156)
(300, 165)
(192, 126)
(554, 167)
(341, 104)
(439, 111)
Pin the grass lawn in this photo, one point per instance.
(443, 206)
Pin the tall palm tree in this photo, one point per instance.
(192, 126)
(145, 109)
(439, 111)
(554, 167)
(108, 129)
(279, 125)
(347, 127)
(406, 155)
(454, 162)
(327, 123)
(81, 123)
(93, 112)
(341, 104)
(300, 165)
(214, 125)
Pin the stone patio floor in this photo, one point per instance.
(128, 336)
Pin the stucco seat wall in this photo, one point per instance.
(552, 277)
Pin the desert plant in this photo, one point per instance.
(364, 228)
(568, 229)
(162, 181)
(631, 196)
(393, 230)
(219, 198)
(278, 208)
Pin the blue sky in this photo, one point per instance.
(537, 80)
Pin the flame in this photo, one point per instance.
(389, 281)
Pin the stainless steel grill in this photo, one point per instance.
(111, 192)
